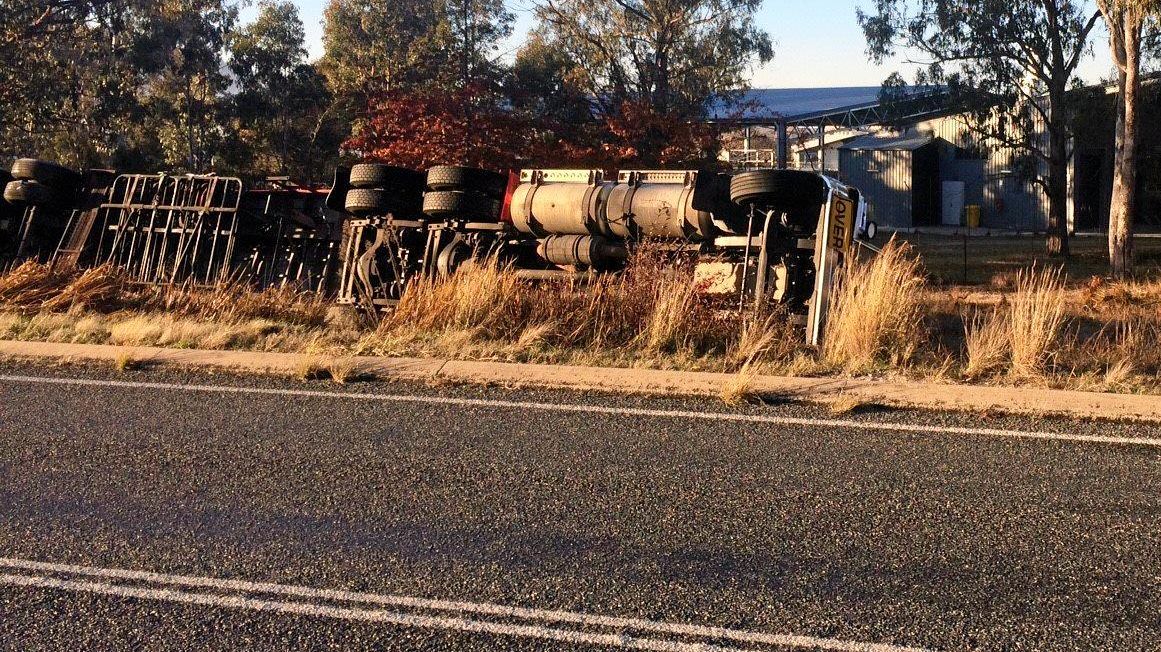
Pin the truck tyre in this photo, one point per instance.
(451, 177)
(27, 193)
(374, 201)
(464, 205)
(375, 175)
(786, 189)
(46, 172)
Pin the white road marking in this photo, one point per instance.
(169, 588)
(883, 426)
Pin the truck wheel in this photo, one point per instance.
(375, 175)
(374, 201)
(45, 172)
(30, 193)
(451, 177)
(785, 189)
(465, 205)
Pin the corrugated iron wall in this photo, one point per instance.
(884, 178)
(1006, 200)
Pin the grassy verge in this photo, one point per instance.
(888, 318)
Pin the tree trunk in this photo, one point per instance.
(1057, 182)
(1058, 196)
(189, 128)
(1122, 212)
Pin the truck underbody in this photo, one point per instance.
(761, 237)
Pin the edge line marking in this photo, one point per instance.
(600, 409)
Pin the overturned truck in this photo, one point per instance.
(165, 229)
(762, 236)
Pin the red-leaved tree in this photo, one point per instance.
(638, 136)
(422, 128)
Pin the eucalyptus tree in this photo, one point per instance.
(675, 55)
(1009, 64)
(281, 100)
(1127, 21)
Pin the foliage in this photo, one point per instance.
(638, 135)
(65, 82)
(184, 91)
(422, 128)
(282, 105)
(371, 47)
(678, 57)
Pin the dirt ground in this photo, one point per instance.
(994, 260)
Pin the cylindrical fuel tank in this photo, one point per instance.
(657, 204)
(587, 250)
(642, 204)
(559, 202)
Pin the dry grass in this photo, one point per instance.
(309, 367)
(739, 388)
(125, 362)
(29, 286)
(987, 342)
(650, 313)
(1036, 317)
(1091, 334)
(342, 370)
(876, 312)
(36, 288)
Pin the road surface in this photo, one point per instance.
(170, 511)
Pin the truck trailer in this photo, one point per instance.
(762, 236)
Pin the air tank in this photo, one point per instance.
(640, 204)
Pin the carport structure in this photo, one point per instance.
(855, 107)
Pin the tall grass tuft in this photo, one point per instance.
(669, 323)
(478, 296)
(652, 307)
(98, 288)
(1036, 319)
(875, 314)
(988, 343)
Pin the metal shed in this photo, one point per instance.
(898, 175)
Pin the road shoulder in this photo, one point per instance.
(894, 393)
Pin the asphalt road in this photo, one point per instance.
(435, 509)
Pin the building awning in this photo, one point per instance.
(879, 143)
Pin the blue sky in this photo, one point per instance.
(817, 43)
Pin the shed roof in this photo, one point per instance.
(874, 142)
(853, 104)
(797, 102)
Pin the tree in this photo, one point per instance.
(471, 31)
(186, 87)
(281, 103)
(425, 127)
(676, 56)
(1010, 64)
(67, 83)
(1126, 20)
(371, 46)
